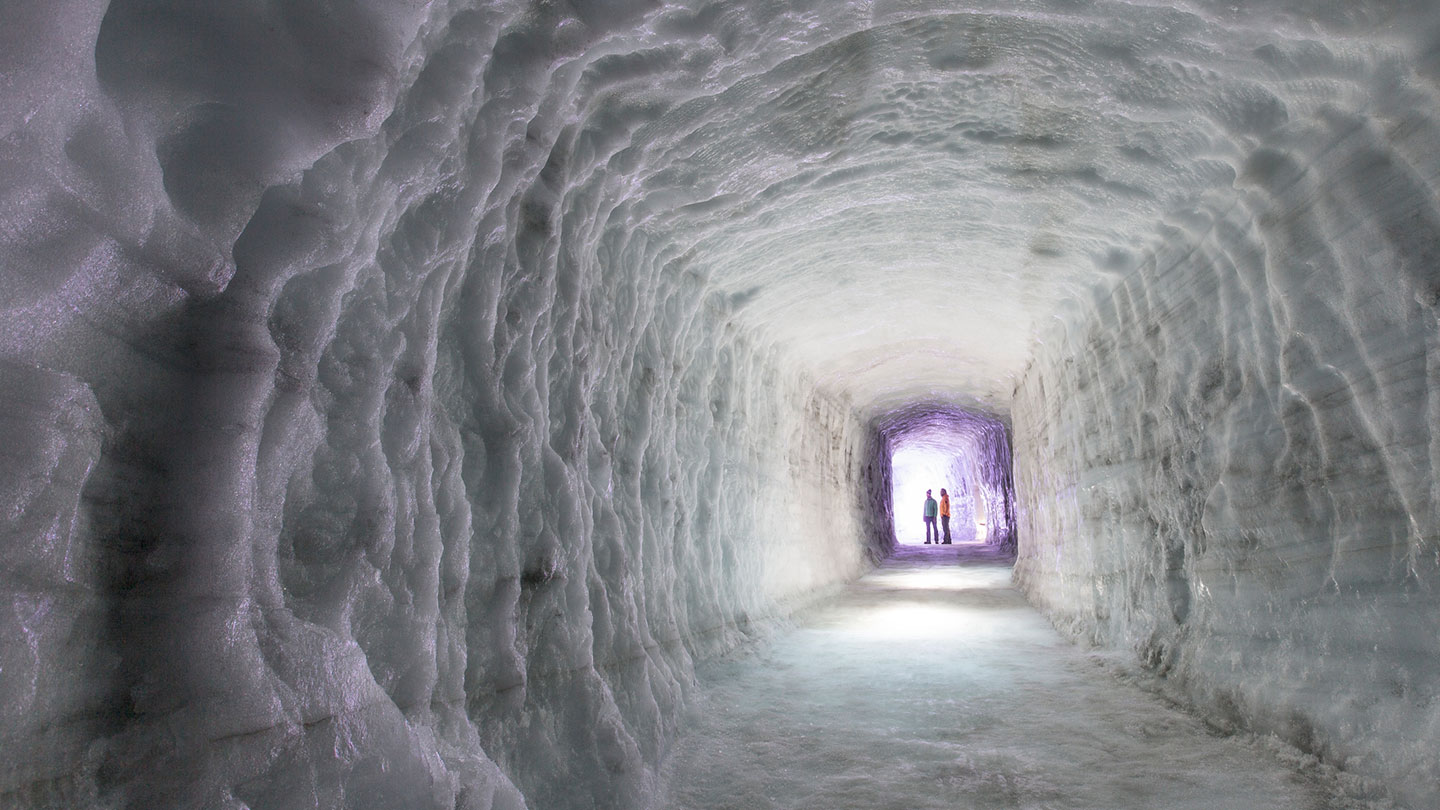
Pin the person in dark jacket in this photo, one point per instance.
(931, 509)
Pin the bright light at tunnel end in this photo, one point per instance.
(918, 472)
(943, 451)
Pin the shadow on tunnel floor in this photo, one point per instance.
(963, 554)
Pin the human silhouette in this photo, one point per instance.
(945, 515)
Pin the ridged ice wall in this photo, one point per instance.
(418, 478)
(1227, 463)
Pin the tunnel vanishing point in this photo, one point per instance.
(399, 398)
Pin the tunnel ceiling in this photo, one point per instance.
(901, 197)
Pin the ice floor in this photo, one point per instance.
(931, 683)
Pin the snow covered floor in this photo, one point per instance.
(931, 683)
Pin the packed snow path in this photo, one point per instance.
(931, 683)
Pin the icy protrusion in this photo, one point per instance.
(56, 667)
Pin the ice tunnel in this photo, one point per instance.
(398, 398)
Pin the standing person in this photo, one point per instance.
(930, 509)
(945, 515)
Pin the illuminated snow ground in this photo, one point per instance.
(931, 684)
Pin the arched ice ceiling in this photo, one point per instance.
(903, 196)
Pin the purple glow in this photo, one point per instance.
(965, 452)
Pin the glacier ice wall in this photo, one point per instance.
(1227, 463)
(363, 446)
(399, 395)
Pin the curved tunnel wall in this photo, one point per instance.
(426, 492)
(1227, 464)
(398, 397)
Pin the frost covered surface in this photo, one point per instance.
(400, 396)
(930, 684)
(1233, 456)
(1228, 463)
(354, 458)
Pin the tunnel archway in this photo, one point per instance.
(965, 451)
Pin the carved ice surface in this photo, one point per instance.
(929, 683)
(397, 398)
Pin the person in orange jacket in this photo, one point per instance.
(945, 515)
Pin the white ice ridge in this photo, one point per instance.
(398, 397)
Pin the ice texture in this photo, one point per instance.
(1243, 437)
(355, 458)
(1227, 462)
(930, 684)
(397, 398)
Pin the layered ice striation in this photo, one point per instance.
(1228, 462)
(398, 397)
(363, 448)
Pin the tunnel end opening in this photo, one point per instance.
(926, 448)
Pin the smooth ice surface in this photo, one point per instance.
(932, 683)
(400, 397)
